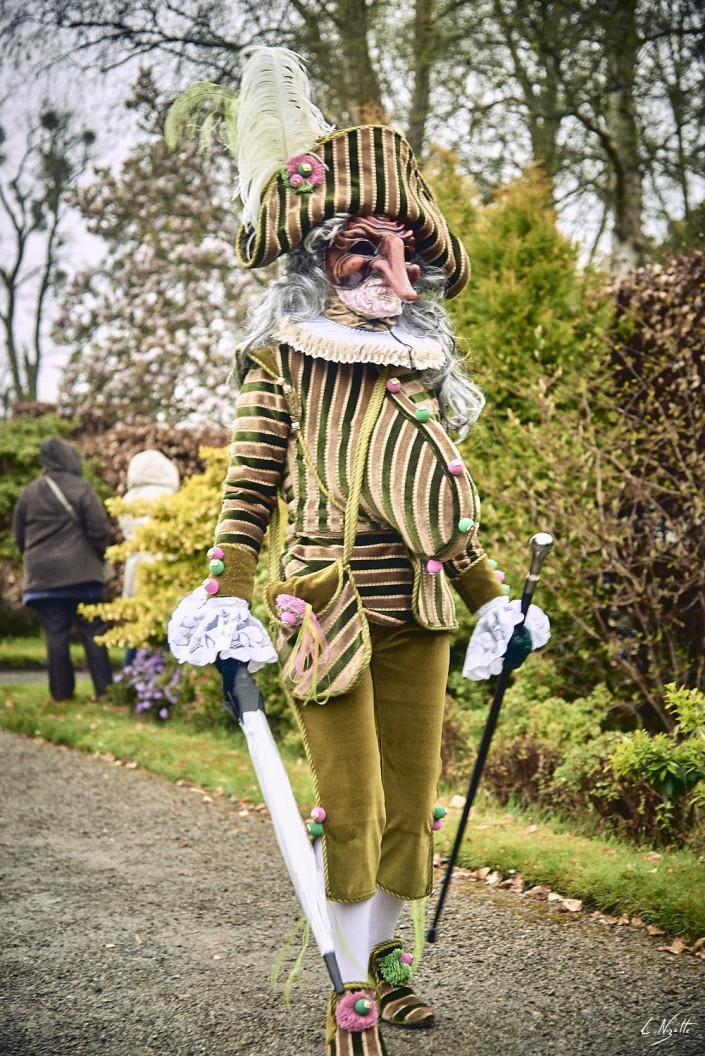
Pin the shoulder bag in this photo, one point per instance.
(323, 638)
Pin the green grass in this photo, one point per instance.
(608, 874)
(213, 759)
(29, 654)
(612, 875)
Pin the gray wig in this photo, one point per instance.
(302, 292)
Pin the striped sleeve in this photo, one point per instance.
(255, 470)
(470, 573)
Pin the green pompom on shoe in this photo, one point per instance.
(398, 1002)
(395, 971)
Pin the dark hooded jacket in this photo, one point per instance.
(59, 551)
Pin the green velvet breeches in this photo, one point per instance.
(375, 756)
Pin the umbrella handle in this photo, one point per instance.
(541, 544)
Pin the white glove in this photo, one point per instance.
(495, 626)
(203, 627)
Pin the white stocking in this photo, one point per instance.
(350, 923)
(384, 916)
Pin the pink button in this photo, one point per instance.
(500, 575)
(215, 552)
(434, 567)
(437, 824)
(456, 467)
(211, 586)
(393, 385)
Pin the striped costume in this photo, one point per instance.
(411, 505)
(410, 509)
(321, 417)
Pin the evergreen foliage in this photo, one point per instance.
(535, 324)
(654, 548)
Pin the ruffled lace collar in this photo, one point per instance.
(324, 339)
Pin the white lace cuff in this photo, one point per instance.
(495, 626)
(204, 627)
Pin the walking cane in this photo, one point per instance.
(541, 544)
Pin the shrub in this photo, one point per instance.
(571, 757)
(535, 324)
(180, 531)
(152, 683)
(653, 550)
(111, 446)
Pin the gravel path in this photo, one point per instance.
(138, 918)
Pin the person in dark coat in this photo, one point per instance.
(62, 530)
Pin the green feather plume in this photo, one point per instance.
(206, 110)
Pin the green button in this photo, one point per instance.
(493, 564)
(422, 415)
(465, 524)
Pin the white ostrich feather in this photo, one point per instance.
(276, 121)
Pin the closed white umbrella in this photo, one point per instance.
(244, 700)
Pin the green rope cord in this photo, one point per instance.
(418, 916)
(301, 926)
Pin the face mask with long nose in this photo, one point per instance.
(368, 266)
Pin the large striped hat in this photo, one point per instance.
(370, 170)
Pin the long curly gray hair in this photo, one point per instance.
(302, 292)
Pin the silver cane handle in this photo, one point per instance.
(541, 545)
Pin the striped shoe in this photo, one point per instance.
(351, 1025)
(397, 1001)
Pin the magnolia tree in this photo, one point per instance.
(152, 329)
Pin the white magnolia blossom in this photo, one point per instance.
(203, 627)
(495, 626)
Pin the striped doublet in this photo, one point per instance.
(296, 433)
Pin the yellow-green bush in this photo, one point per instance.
(178, 533)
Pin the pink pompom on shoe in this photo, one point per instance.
(356, 1011)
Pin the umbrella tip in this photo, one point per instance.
(431, 935)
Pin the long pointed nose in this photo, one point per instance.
(391, 263)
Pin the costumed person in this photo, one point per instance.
(62, 530)
(150, 476)
(349, 384)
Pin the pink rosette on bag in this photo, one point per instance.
(311, 644)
